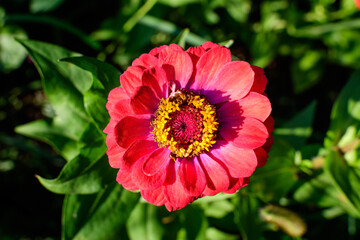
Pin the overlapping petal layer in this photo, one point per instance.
(242, 131)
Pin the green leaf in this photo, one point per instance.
(105, 78)
(322, 192)
(346, 178)
(144, 224)
(299, 128)
(98, 217)
(307, 69)
(195, 223)
(64, 85)
(247, 217)
(12, 54)
(47, 131)
(78, 177)
(44, 5)
(345, 114)
(278, 176)
(95, 104)
(92, 143)
(106, 74)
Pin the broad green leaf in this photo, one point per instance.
(105, 78)
(63, 85)
(11, 53)
(195, 223)
(98, 217)
(347, 178)
(278, 176)
(143, 223)
(322, 192)
(92, 143)
(106, 74)
(170, 28)
(215, 234)
(299, 128)
(178, 3)
(343, 47)
(239, 9)
(47, 131)
(95, 104)
(345, 114)
(44, 5)
(307, 69)
(78, 177)
(247, 217)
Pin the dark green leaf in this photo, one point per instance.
(195, 223)
(322, 192)
(11, 52)
(98, 217)
(299, 128)
(247, 217)
(108, 76)
(78, 177)
(345, 114)
(346, 178)
(44, 5)
(47, 131)
(277, 177)
(63, 85)
(143, 223)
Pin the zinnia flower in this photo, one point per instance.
(357, 4)
(188, 124)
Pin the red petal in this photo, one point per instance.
(138, 150)
(192, 176)
(146, 61)
(217, 179)
(232, 82)
(114, 152)
(118, 104)
(195, 53)
(269, 123)
(155, 51)
(245, 132)
(236, 184)
(124, 178)
(261, 156)
(268, 144)
(209, 65)
(156, 196)
(156, 79)
(175, 193)
(256, 106)
(131, 79)
(144, 101)
(177, 64)
(130, 129)
(260, 80)
(147, 182)
(253, 105)
(156, 161)
(240, 162)
(210, 45)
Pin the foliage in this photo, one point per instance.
(311, 55)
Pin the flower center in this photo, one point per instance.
(186, 123)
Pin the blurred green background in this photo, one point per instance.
(309, 50)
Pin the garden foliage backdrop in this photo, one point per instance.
(60, 58)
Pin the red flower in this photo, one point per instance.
(188, 124)
(357, 3)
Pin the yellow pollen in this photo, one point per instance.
(185, 123)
